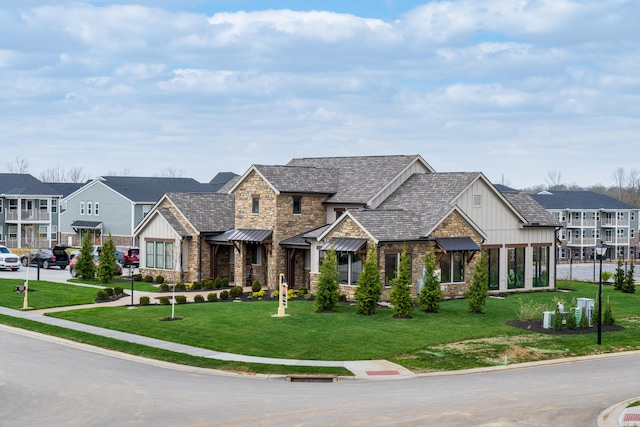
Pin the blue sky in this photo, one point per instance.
(514, 89)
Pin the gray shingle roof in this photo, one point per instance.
(390, 225)
(531, 210)
(174, 222)
(561, 200)
(359, 178)
(207, 212)
(24, 184)
(151, 189)
(300, 179)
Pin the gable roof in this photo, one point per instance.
(561, 200)
(361, 178)
(15, 184)
(173, 222)
(299, 179)
(65, 188)
(532, 211)
(206, 212)
(151, 189)
(221, 179)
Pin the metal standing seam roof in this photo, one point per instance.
(86, 224)
(449, 244)
(345, 244)
(242, 235)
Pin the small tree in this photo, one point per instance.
(557, 319)
(477, 293)
(629, 285)
(328, 290)
(84, 266)
(108, 266)
(619, 277)
(572, 322)
(400, 295)
(431, 294)
(584, 319)
(369, 287)
(607, 316)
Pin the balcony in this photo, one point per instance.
(29, 215)
(585, 241)
(613, 223)
(576, 223)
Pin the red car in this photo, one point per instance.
(128, 255)
(96, 262)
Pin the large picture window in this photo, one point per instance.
(349, 267)
(159, 255)
(493, 264)
(515, 265)
(540, 267)
(391, 267)
(452, 267)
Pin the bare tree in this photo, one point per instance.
(554, 180)
(76, 175)
(170, 173)
(19, 165)
(619, 178)
(123, 172)
(53, 174)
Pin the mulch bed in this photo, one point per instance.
(536, 326)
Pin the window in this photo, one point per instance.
(632, 215)
(1, 233)
(391, 263)
(297, 205)
(477, 200)
(256, 254)
(515, 266)
(338, 212)
(43, 204)
(89, 208)
(563, 216)
(54, 205)
(145, 210)
(349, 267)
(493, 264)
(81, 208)
(96, 209)
(540, 267)
(562, 235)
(159, 255)
(13, 204)
(255, 204)
(13, 232)
(42, 231)
(54, 232)
(452, 267)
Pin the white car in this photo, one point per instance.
(8, 260)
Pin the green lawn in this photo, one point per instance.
(122, 282)
(450, 339)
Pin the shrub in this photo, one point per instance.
(572, 322)
(629, 284)
(159, 279)
(181, 286)
(108, 266)
(303, 291)
(607, 316)
(102, 295)
(584, 320)
(224, 295)
(195, 286)
(165, 287)
(430, 294)
(212, 297)
(328, 290)
(208, 283)
(557, 319)
(259, 294)
(529, 310)
(217, 283)
(368, 286)
(291, 294)
(400, 295)
(144, 300)
(109, 291)
(236, 292)
(198, 298)
(181, 299)
(477, 293)
(137, 277)
(118, 290)
(164, 300)
(256, 286)
(225, 282)
(148, 278)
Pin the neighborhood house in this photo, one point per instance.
(280, 219)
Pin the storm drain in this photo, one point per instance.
(311, 378)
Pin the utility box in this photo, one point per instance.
(547, 319)
(588, 304)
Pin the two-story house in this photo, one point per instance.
(29, 211)
(287, 216)
(587, 218)
(116, 204)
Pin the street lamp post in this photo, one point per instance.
(601, 250)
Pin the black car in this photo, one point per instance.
(47, 257)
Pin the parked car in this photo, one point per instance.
(74, 253)
(47, 257)
(128, 255)
(8, 260)
(96, 262)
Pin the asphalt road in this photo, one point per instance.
(43, 382)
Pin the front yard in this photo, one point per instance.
(451, 339)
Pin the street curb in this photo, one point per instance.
(610, 416)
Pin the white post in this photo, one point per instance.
(284, 287)
(173, 301)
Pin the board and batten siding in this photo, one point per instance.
(158, 229)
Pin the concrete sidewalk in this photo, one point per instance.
(362, 369)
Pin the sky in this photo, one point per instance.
(516, 89)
